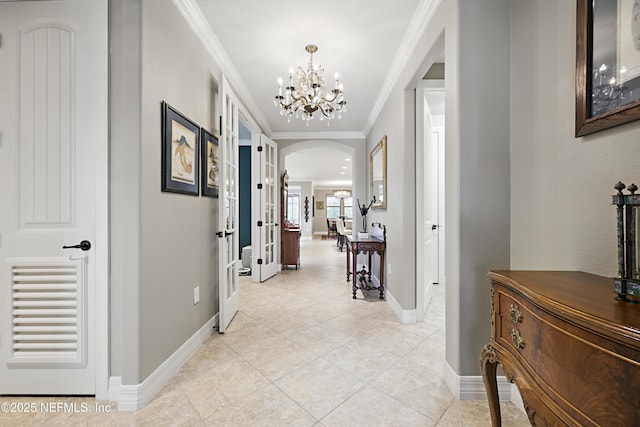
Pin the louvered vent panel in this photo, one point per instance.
(47, 313)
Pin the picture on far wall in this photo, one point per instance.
(320, 205)
(180, 152)
(210, 164)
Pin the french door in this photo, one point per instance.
(266, 227)
(229, 254)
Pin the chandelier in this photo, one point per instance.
(607, 95)
(341, 194)
(306, 93)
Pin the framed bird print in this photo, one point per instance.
(209, 151)
(180, 152)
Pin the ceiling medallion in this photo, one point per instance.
(306, 93)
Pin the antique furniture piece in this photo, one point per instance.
(628, 222)
(378, 175)
(571, 348)
(290, 236)
(342, 232)
(332, 230)
(375, 243)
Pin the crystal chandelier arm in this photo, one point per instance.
(308, 92)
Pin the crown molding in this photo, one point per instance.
(417, 26)
(195, 18)
(318, 135)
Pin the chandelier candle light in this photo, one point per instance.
(341, 194)
(305, 94)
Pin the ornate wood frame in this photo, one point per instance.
(585, 124)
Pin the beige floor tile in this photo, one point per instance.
(266, 407)
(212, 353)
(225, 384)
(370, 407)
(361, 359)
(319, 386)
(172, 409)
(473, 413)
(393, 340)
(429, 354)
(321, 340)
(278, 356)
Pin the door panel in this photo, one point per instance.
(52, 122)
(269, 231)
(229, 240)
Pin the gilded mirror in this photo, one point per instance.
(378, 174)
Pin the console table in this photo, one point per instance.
(572, 349)
(376, 243)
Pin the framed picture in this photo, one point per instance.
(607, 64)
(210, 155)
(180, 152)
(319, 205)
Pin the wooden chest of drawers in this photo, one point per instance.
(572, 349)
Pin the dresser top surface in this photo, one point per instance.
(575, 292)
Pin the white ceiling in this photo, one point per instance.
(256, 41)
(326, 167)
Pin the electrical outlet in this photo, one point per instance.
(196, 295)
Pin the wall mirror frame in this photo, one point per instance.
(601, 102)
(378, 174)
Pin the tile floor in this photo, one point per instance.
(301, 352)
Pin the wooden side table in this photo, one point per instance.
(572, 349)
(370, 245)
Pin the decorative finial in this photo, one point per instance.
(619, 186)
(632, 188)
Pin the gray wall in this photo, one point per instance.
(561, 186)
(484, 168)
(172, 236)
(476, 40)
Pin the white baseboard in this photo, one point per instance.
(405, 316)
(472, 387)
(134, 397)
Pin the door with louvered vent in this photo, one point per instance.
(52, 125)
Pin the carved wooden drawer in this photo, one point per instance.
(368, 246)
(572, 364)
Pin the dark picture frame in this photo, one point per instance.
(209, 166)
(591, 118)
(180, 152)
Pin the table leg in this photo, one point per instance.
(382, 275)
(489, 363)
(348, 266)
(354, 253)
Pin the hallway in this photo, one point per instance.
(303, 353)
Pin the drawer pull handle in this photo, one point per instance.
(516, 339)
(516, 314)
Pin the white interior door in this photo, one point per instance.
(432, 222)
(53, 142)
(429, 191)
(264, 261)
(228, 204)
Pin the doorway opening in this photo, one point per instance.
(320, 168)
(430, 218)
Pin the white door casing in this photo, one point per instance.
(265, 222)
(229, 254)
(53, 169)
